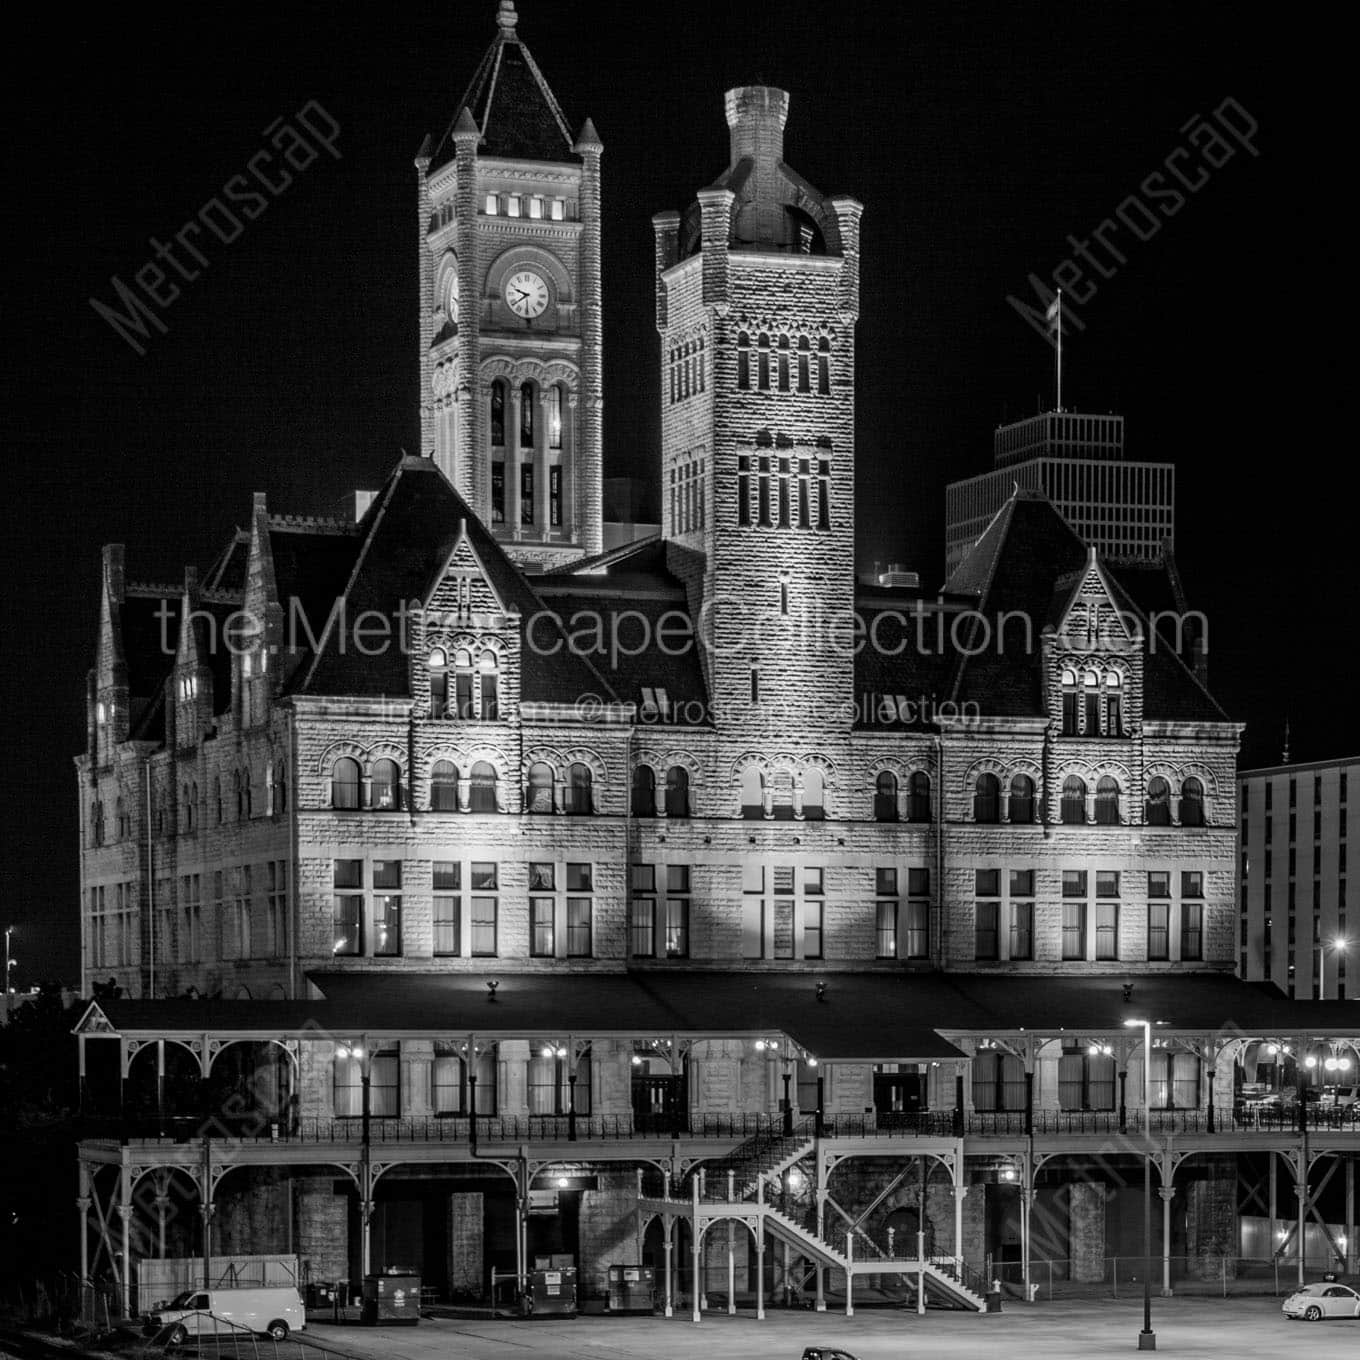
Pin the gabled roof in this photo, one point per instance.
(409, 535)
(1028, 563)
(510, 101)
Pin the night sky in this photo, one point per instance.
(978, 138)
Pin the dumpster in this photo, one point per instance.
(391, 1300)
(552, 1292)
(631, 1289)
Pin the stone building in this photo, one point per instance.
(464, 916)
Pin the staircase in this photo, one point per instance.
(767, 1154)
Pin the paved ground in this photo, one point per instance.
(1054, 1331)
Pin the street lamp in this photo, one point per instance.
(1339, 946)
(1147, 1338)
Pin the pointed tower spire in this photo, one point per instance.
(1284, 753)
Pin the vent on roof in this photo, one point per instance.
(898, 578)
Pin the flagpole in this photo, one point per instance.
(1059, 321)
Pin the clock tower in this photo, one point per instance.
(510, 322)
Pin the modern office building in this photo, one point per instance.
(1300, 911)
(1126, 510)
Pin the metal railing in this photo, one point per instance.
(998, 1122)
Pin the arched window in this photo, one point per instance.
(1090, 686)
(1070, 719)
(918, 797)
(804, 361)
(580, 791)
(987, 799)
(386, 786)
(644, 792)
(1107, 801)
(1192, 802)
(1021, 808)
(743, 360)
(677, 791)
(240, 795)
(1158, 802)
(482, 790)
(1114, 704)
(498, 413)
(217, 797)
(824, 367)
(247, 793)
(783, 363)
(96, 824)
(280, 787)
(526, 415)
(344, 783)
(120, 814)
(269, 806)
(763, 363)
(885, 797)
(462, 685)
(438, 665)
(1074, 800)
(444, 786)
(189, 809)
(555, 416)
(540, 797)
(491, 708)
(814, 795)
(752, 794)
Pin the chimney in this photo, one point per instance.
(756, 115)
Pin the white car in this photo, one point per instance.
(1316, 1301)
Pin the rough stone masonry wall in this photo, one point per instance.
(608, 1227)
(321, 1227)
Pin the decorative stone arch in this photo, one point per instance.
(985, 765)
(752, 760)
(815, 760)
(1025, 765)
(1163, 768)
(445, 277)
(498, 761)
(325, 762)
(386, 750)
(1194, 769)
(900, 769)
(516, 257)
(1100, 768)
(542, 755)
(544, 372)
(592, 760)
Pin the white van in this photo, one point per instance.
(205, 1312)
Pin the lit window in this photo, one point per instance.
(535, 206)
(512, 205)
(492, 204)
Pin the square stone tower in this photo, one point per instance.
(757, 295)
(510, 324)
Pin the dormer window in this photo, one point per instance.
(462, 685)
(490, 688)
(1092, 703)
(439, 682)
(1114, 704)
(1090, 685)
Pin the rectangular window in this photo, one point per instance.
(579, 927)
(763, 495)
(1159, 931)
(1192, 930)
(1107, 883)
(541, 927)
(497, 493)
(812, 929)
(555, 497)
(1074, 930)
(886, 913)
(917, 925)
(1074, 883)
(1192, 883)
(1092, 728)
(448, 880)
(1159, 883)
(559, 209)
(987, 932)
(386, 908)
(1069, 713)
(526, 493)
(1022, 930)
(1107, 930)
(743, 489)
(677, 927)
(644, 911)
(483, 912)
(491, 204)
(535, 206)
(512, 205)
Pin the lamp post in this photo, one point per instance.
(1339, 946)
(1147, 1338)
(10, 964)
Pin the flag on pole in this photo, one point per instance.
(1054, 314)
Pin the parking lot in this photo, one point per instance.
(1057, 1331)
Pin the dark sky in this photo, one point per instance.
(977, 137)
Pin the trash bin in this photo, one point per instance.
(393, 1300)
(552, 1292)
(631, 1289)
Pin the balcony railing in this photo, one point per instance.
(1001, 1122)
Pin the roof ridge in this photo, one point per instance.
(313, 523)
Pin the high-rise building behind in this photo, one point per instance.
(1297, 930)
(1125, 510)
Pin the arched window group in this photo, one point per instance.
(675, 800)
(578, 790)
(481, 788)
(463, 690)
(782, 364)
(1106, 804)
(1018, 795)
(1092, 702)
(385, 792)
(1190, 807)
(886, 789)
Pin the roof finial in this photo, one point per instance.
(1284, 754)
(506, 17)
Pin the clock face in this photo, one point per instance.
(526, 294)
